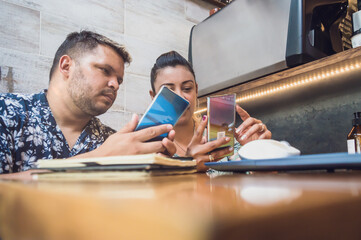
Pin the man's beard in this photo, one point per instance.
(79, 90)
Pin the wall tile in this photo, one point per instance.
(54, 30)
(19, 28)
(137, 98)
(144, 55)
(169, 8)
(24, 73)
(161, 30)
(32, 4)
(197, 10)
(105, 14)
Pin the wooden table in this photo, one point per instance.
(194, 206)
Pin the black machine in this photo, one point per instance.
(314, 30)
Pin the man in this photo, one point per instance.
(60, 122)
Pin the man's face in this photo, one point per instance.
(95, 80)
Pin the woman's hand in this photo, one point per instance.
(202, 151)
(251, 128)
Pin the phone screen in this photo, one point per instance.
(221, 118)
(166, 108)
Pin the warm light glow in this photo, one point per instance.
(200, 111)
(308, 78)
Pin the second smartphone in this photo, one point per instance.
(221, 118)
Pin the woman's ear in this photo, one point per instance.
(197, 88)
(65, 63)
(152, 94)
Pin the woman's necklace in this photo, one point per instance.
(179, 144)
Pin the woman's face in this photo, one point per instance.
(181, 81)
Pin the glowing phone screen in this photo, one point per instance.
(221, 117)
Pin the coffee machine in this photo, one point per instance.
(314, 30)
(248, 39)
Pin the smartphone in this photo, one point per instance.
(221, 118)
(166, 108)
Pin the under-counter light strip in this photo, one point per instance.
(292, 82)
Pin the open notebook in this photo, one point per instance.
(327, 161)
(113, 168)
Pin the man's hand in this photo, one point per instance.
(128, 142)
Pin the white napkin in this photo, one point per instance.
(267, 148)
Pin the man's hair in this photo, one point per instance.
(168, 59)
(78, 43)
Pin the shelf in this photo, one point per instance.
(216, 3)
(284, 77)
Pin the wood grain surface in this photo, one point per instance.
(194, 206)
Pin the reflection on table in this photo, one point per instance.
(194, 206)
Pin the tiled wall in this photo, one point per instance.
(32, 30)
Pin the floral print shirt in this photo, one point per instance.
(28, 132)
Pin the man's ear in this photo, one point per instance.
(65, 62)
(152, 94)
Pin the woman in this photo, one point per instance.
(176, 73)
